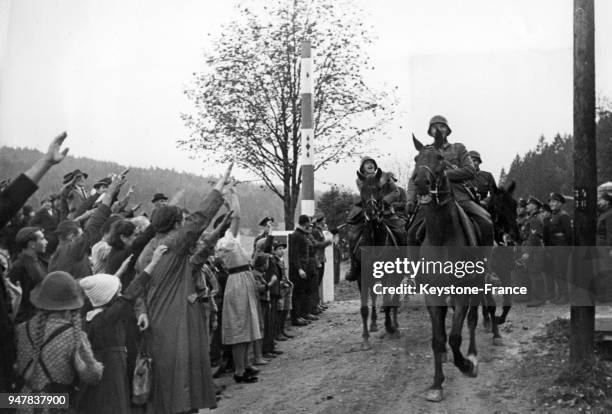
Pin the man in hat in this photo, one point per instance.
(72, 254)
(559, 236)
(266, 224)
(533, 252)
(483, 182)
(159, 200)
(390, 194)
(102, 185)
(73, 192)
(302, 270)
(28, 270)
(285, 289)
(460, 171)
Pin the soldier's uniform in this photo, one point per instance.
(460, 171)
(559, 234)
(533, 242)
(390, 195)
(483, 182)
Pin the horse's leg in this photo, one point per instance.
(373, 324)
(486, 318)
(438, 345)
(507, 302)
(364, 317)
(472, 352)
(465, 365)
(491, 309)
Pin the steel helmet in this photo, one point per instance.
(438, 119)
(475, 155)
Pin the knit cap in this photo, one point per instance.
(101, 288)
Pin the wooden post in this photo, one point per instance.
(582, 324)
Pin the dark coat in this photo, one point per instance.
(106, 333)
(484, 183)
(461, 172)
(14, 197)
(559, 229)
(301, 254)
(604, 229)
(29, 271)
(73, 256)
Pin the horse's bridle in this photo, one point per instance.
(371, 201)
(434, 191)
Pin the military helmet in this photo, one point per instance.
(438, 119)
(475, 155)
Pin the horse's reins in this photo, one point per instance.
(435, 192)
(374, 202)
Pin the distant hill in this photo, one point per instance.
(256, 201)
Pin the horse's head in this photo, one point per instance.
(502, 207)
(428, 177)
(371, 195)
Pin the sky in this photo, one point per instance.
(112, 73)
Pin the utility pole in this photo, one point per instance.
(582, 318)
(307, 131)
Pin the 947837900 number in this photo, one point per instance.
(33, 400)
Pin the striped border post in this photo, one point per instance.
(307, 131)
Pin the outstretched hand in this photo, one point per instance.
(225, 223)
(224, 180)
(54, 154)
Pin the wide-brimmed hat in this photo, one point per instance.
(68, 177)
(102, 182)
(558, 197)
(58, 291)
(100, 288)
(159, 196)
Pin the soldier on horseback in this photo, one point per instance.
(483, 183)
(390, 195)
(460, 170)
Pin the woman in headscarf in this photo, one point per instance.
(178, 340)
(106, 329)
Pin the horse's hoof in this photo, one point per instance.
(395, 335)
(365, 345)
(373, 327)
(499, 320)
(498, 341)
(434, 395)
(473, 371)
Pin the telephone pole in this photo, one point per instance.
(582, 318)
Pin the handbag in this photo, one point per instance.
(142, 384)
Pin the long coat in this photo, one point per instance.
(179, 331)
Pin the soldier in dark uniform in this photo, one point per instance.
(460, 171)
(559, 236)
(390, 195)
(399, 205)
(533, 254)
(483, 182)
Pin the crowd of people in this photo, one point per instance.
(95, 298)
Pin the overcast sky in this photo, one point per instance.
(112, 73)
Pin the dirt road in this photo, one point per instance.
(323, 369)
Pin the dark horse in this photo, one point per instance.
(443, 227)
(375, 233)
(502, 207)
